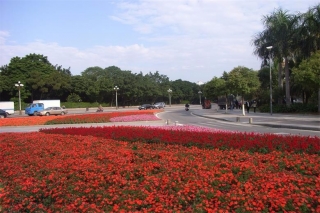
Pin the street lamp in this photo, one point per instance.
(19, 85)
(269, 48)
(169, 91)
(116, 88)
(200, 96)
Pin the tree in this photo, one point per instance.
(40, 78)
(216, 87)
(280, 32)
(98, 84)
(243, 81)
(156, 85)
(307, 75)
(264, 78)
(183, 91)
(308, 39)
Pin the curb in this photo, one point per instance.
(312, 128)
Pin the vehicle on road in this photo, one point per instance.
(52, 111)
(100, 108)
(146, 106)
(159, 105)
(7, 106)
(206, 104)
(39, 105)
(3, 114)
(187, 107)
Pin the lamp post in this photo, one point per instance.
(269, 48)
(116, 88)
(200, 96)
(19, 85)
(169, 91)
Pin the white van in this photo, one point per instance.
(7, 106)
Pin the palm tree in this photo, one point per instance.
(308, 39)
(280, 31)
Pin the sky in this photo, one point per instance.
(191, 40)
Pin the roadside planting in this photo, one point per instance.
(74, 119)
(74, 173)
(200, 137)
(156, 169)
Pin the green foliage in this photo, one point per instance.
(306, 76)
(294, 37)
(184, 91)
(73, 98)
(41, 79)
(216, 87)
(81, 104)
(243, 81)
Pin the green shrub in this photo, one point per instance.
(83, 104)
(73, 98)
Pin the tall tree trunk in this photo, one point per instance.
(226, 103)
(242, 102)
(280, 82)
(286, 68)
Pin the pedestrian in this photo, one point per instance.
(254, 105)
(237, 104)
(248, 106)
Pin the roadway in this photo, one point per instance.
(212, 118)
(217, 119)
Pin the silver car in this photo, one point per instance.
(53, 111)
(159, 105)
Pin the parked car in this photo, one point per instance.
(53, 111)
(3, 114)
(145, 106)
(159, 105)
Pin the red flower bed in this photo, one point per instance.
(73, 173)
(71, 119)
(26, 121)
(97, 117)
(223, 140)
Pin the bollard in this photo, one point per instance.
(238, 119)
(250, 120)
(87, 109)
(168, 121)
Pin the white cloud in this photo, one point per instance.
(3, 36)
(192, 40)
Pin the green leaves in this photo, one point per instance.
(40, 78)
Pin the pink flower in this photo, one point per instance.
(130, 118)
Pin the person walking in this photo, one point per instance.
(248, 106)
(254, 105)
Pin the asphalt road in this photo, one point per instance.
(180, 116)
(175, 115)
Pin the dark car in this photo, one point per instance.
(145, 106)
(3, 114)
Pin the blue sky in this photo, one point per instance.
(192, 40)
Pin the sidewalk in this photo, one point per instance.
(276, 120)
